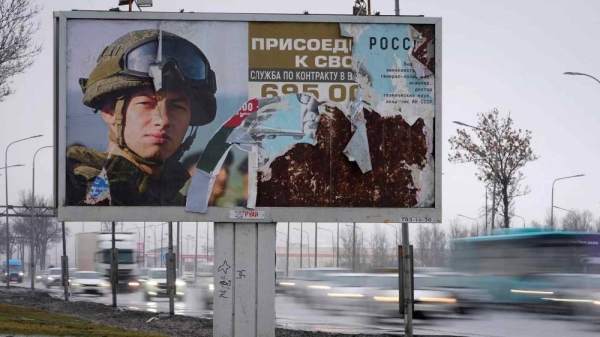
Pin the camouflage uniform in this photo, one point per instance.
(128, 184)
(131, 63)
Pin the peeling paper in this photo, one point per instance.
(358, 146)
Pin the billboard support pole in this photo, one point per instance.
(65, 265)
(399, 256)
(113, 266)
(244, 280)
(407, 275)
(171, 272)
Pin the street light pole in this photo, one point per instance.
(196, 255)
(493, 220)
(332, 255)
(6, 193)
(307, 242)
(582, 74)
(476, 222)
(282, 233)
(552, 205)
(564, 209)
(31, 236)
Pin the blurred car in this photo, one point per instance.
(207, 292)
(41, 276)
(341, 293)
(188, 277)
(300, 282)
(142, 275)
(52, 277)
(569, 294)
(88, 282)
(156, 285)
(279, 277)
(384, 295)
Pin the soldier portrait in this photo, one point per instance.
(154, 90)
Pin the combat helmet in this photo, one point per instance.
(128, 64)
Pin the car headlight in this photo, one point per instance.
(133, 284)
(50, 278)
(211, 287)
(76, 284)
(104, 284)
(38, 277)
(179, 283)
(152, 283)
(20, 274)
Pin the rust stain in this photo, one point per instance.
(321, 175)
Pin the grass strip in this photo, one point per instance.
(27, 321)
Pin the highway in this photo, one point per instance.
(293, 315)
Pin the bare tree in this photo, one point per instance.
(535, 224)
(430, 246)
(458, 230)
(578, 221)
(380, 247)
(346, 248)
(18, 25)
(548, 222)
(46, 230)
(499, 153)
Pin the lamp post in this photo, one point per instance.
(207, 250)
(564, 209)
(332, 255)
(396, 228)
(285, 237)
(6, 193)
(581, 74)
(31, 237)
(494, 181)
(155, 244)
(521, 218)
(476, 222)
(354, 228)
(552, 205)
(307, 242)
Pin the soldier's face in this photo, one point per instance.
(155, 125)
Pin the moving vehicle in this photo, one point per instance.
(16, 271)
(383, 295)
(88, 282)
(156, 285)
(94, 254)
(519, 266)
(52, 277)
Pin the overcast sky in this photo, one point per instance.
(508, 54)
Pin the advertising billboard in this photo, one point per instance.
(247, 117)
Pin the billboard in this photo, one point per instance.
(247, 117)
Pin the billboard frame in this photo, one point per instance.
(222, 214)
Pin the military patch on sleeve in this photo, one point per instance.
(99, 191)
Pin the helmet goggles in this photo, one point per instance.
(191, 62)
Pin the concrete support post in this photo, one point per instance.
(407, 274)
(244, 280)
(114, 267)
(171, 272)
